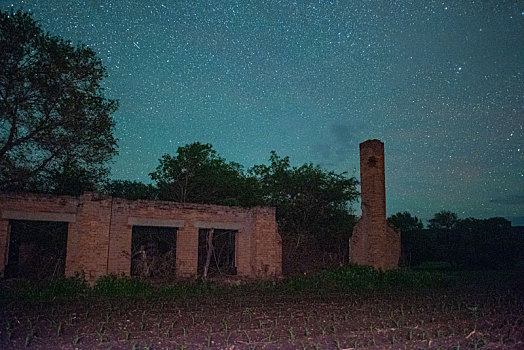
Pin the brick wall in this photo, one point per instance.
(100, 231)
(267, 245)
(373, 241)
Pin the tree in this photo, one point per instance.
(443, 220)
(486, 244)
(442, 227)
(414, 241)
(198, 175)
(52, 110)
(313, 207)
(132, 190)
(406, 223)
(69, 179)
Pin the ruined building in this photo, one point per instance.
(373, 241)
(100, 229)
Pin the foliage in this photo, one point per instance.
(55, 124)
(443, 220)
(413, 240)
(132, 190)
(462, 243)
(112, 285)
(198, 175)
(349, 278)
(311, 203)
(51, 288)
(364, 278)
(484, 244)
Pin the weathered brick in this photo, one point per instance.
(373, 241)
(100, 231)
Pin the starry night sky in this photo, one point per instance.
(439, 82)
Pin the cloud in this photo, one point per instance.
(516, 220)
(341, 140)
(515, 199)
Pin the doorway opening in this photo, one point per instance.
(216, 253)
(37, 249)
(153, 252)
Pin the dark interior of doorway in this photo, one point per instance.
(37, 249)
(222, 261)
(153, 252)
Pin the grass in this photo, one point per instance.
(328, 309)
(348, 279)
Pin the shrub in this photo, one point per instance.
(112, 285)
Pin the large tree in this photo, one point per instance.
(306, 197)
(443, 220)
(313, 209)
(414, 239)
(197, 174)
(313, 206)
(54, 117)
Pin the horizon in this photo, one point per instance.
(439, 83)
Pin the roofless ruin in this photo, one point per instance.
(100, 231)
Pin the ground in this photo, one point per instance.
(482, 315)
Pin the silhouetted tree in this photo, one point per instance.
(486, 244)
(131, 190)
(313, 206)
(442, 226)
(198, 175)
(53, 116)
(443, 220)
(69, 178)
(464, 243)
(414, 239)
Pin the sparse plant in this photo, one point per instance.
(76, 339)
(248, 337)
(269, 335)
(100, 332)
(291, 334)
(225, 324)
(228, 336)
(29, 338)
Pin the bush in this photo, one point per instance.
(364, 278)
(112, 285)
(46, 289)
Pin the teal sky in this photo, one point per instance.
(439, 82)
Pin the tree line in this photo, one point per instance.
(56, 136)
(461, 243)
(313, 206)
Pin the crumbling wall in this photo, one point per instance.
(373, 242)
(100, 231)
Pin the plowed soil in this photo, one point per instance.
(453, 318)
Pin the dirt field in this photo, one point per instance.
(477, 316)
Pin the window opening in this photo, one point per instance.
(220, 260)
(37, 249)
(153, 252)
